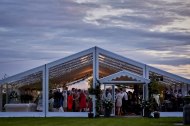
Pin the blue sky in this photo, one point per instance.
(35, 32)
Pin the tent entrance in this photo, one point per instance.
(130, 83)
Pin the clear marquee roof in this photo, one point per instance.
(80, 66)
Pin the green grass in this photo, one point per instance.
(59, 121)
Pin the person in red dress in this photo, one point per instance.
(82, 101)
(70, 101)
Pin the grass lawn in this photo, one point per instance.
(60, 121)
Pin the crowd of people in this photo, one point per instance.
(77, 100)
(172, 100)
(126, 103)
(74, 100)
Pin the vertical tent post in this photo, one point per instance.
(95, 75)
(1, 98)
(145, 86)
(113, 97)
(46, 90)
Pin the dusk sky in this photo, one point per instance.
(35, 32)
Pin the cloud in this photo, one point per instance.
(152, 31)
(182, 70)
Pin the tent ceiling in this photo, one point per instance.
(34, 78)
(73, 75)
(72, 65)
(118, 64)
(164, 79)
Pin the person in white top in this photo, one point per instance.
(65, 100)
(107, 95)
(119, 97)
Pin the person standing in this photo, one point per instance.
(65, 100)
(82, 101)
(125, 100)
(119, 98)
(70, 101)
(107, 95)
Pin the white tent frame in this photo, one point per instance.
(96, 52)
(18, 76)
(137, 79)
